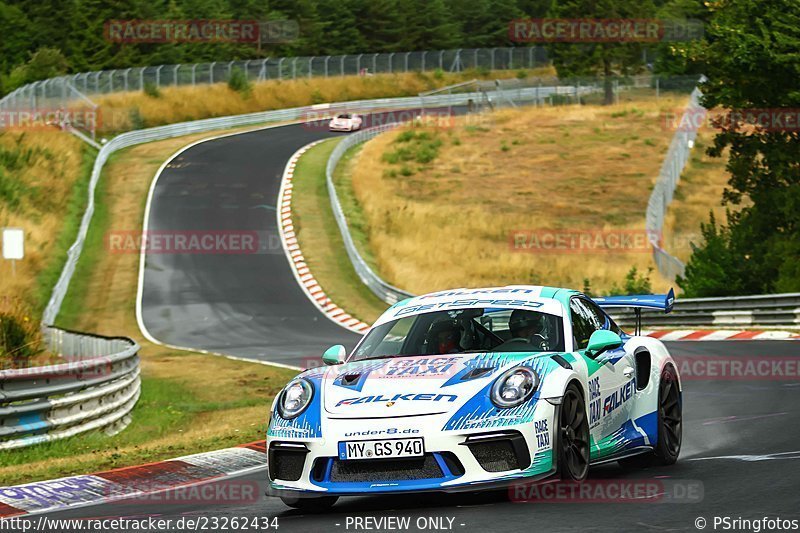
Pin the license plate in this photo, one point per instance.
(381, 449)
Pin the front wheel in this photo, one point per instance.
(573, 448)
(312, 505)
(670, 425)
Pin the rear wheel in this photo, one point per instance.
(573, 449)
(670, 425)
(312, 505)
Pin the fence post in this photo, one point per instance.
(211, 72)
(230, 69)
(510, 58)
(341, 66)
(391, 57)
(327, 58)
(175, 74)
(310, 66)
(423, 61)
(358, 64)
(158, 75)
(375, 63)
(294, 68)
(441, 59)
(141, 80)
(407, 54)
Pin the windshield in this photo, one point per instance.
(461, 331)
(343, 116)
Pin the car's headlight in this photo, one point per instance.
(514, 387)
(295, 398)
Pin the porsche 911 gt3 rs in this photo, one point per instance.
(473, 389)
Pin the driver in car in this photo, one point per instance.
(529, 326)
(444, 337)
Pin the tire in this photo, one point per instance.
(670, 425)
(311, 505)
(573, 436)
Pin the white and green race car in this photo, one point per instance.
(472, 389)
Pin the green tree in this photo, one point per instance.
(751, 59)
(427, 25)
(606, 59)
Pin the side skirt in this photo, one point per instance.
(627, 453)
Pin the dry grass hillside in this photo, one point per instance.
(39, 174)
(475, 204)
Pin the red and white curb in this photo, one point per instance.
(296, 260)
(721, 335)
(174, 477)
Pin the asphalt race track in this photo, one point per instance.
(741, 441)
(740, 448)
(247, 305)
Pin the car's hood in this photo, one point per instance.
(409, 385)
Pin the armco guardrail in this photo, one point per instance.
(95, 389)
(385, 291)
(133, 138)
(740, 312)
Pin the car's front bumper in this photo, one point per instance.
(454, 459)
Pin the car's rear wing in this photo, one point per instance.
(638, 302)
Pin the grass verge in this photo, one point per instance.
(698, 193)
(190, 402)
(320, 239)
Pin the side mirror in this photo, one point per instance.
(601, 341)
(334, 355)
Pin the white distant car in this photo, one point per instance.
(345, 122)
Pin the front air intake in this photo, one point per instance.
(386, 469)
(500, 451)
(286, 460)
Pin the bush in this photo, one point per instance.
(522, 74)
(136, 118)
(151, 90)
(238, 82)
(634, 283)
(20, 339)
